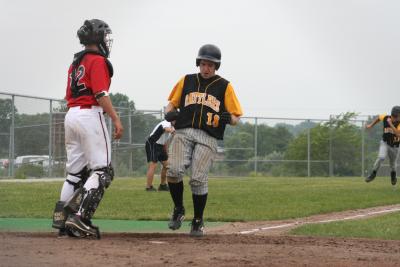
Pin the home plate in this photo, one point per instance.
(157, 242)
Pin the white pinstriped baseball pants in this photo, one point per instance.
(384, 151)
(192, 148)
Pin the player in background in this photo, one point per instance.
(156, 150)
(206, 104)
(389, 145)
(86, 136)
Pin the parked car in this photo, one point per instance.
(40, 160)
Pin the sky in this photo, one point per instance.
(284, 58)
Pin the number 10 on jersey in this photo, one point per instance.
(212, 119)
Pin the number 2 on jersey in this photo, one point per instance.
(78, 87)
(212, 119)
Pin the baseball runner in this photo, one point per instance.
(206, 104)
(389, 145)
(156, 150)
(86, 137)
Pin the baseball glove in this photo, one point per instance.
(171, 116)
(225, 117)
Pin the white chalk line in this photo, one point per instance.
(321, 221)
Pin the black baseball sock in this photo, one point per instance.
(199, 203)
(176, 191)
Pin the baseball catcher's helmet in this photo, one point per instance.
(96, 32)
(211, 53)
(395, 111)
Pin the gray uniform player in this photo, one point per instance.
(389, 145)
(206, 104)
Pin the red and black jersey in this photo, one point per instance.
(92, 75)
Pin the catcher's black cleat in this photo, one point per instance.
(177, 218)
(163, 187)
(62, 233)
(393, 177)
(75, 224)
(371, 177)
(69, 232)
(197, 228)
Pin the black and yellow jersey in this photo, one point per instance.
(388, 135)
(200, 102)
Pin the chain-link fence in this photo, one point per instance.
(32, 143)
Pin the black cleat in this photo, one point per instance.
(75, 224)
(62, 233)
(151, 189)
(163, 187)
(69, 232)
(197, 229)
(393, 177)
(177, 218)
(371, 177)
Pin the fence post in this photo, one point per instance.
(362, 148)
(50, 139)
(130, 138)
(12, 140)
(255, 145)
(330, 148)
(308, 149)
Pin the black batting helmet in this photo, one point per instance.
(211, 53)
(395, 111)
(96, 32)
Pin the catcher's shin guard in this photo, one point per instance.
(59, 215)
(91, 201)
(72, 205)
(92, 197)
(64, 208)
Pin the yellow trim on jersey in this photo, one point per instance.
(232, 104)
(382, 116)
(176, 93)
(198, 90)
(205, 91)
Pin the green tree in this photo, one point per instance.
(31, 134)
(238, 149)
(122, 101)
(345, 138)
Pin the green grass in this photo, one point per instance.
(44, 225)
(382, 227)
(230, 199)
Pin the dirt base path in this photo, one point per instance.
(271, 228)
(180, 250)
(235, 244)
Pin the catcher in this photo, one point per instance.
(86, 136)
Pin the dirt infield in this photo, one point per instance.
(233, 244)
(22, 249)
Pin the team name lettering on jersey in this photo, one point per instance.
(388, 130)
(204, 99)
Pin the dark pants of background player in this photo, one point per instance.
(155, 152)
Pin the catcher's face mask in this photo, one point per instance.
(108, 40)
